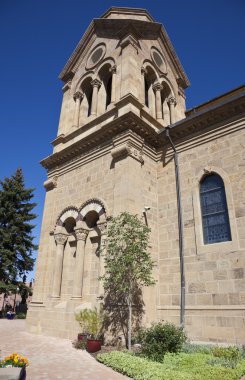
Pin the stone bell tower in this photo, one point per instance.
(122, 84)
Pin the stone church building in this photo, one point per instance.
(126, 142)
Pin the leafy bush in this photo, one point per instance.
(190, 348)
(161, 338)
(175, 366)
(229, 353)
(20, 316)
(80, 344)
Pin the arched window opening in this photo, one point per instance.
(149, 79)
(91, 218)
(108, 91)
(147, 86)
(87, 102)
(105, 77)
(69, 225)
(165, 94)
(215, 218)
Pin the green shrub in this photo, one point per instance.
(190, 348)
(175, 366)
(161, 338)
(229, 353)
(20, 316)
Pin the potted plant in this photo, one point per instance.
(82, 317)
(14, 367)
(95, 321)
(10, 315)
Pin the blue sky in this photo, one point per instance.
(38, 36)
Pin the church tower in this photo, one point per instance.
(122, 84)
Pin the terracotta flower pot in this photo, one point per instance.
(93, 345)
(82, 337)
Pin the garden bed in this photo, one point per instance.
(182, 366)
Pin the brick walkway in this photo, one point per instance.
(51, 358)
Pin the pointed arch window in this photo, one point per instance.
(215, 217)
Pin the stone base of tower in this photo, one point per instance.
(55, 318)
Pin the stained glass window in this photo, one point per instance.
(215, 218)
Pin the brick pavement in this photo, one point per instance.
(51, 358)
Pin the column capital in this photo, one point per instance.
(172, 100)
(157, 86)
(60, 238)
(96, 83)
(78, 95)
(113, 69)
(81, 233)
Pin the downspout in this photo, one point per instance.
(180, 227)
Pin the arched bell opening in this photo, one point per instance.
(166, 94)
(104, 98)
(86, 105)
(150, 78)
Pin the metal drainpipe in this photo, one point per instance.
(181, 239)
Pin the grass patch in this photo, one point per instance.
(182, 366)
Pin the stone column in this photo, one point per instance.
(172, 104)
(96, 85)
(143, 72)
(78, 96)
(103, 229)
(130, 75)
(81, 235)
(60, 239)
(157, 87)
(113, 71)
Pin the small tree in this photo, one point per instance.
(128, 263)
(16, 240)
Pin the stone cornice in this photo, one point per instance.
(232, 108)
(129, 114)
(108, 28)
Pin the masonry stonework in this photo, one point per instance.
(123, 88)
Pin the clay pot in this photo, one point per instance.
(82, 337)
(93, 345)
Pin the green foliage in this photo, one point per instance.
(190, 348)
(20, 316)
(91, 322)
(128, 267)
(161, 338)
(127, 261)
(16, 240)
(175, 366)
(230, 353)
(80, 345)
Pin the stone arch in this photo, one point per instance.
(69, 212)
(95, 205)
(104, 75)
(150, 77)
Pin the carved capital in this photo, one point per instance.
(60, 238)
(78, 95)
(157, 86)
(96, 83)
(113, 69)
(81, 233)
(172, 100)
